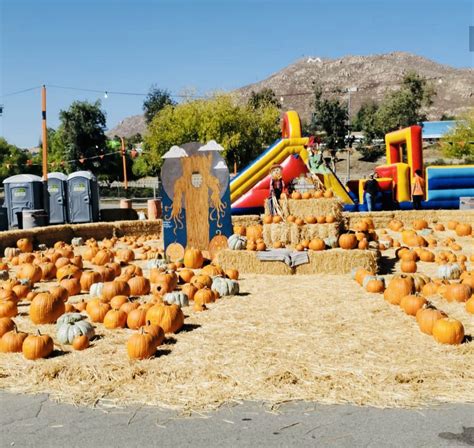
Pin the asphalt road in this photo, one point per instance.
(34, 421)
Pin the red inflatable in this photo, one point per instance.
(254, 199)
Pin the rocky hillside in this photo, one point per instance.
(128, 127)
(373, 76)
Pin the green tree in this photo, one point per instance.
(81, 135)
(241, 130)
(263, 98)
(365, 121)
(329, 119)
(405, 106)
(459, 142)
(13, 160)
(156, 100)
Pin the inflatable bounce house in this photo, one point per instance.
(445, 185)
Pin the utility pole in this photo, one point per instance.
(45, 150)
(124, 160)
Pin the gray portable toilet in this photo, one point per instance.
(22, 192)
(57, 192)
(83, 197)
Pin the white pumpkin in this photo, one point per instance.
(225, 286)
(96, 289)
(237, 242)
(78, 241)
(11, 252)
(70, 325)
(156, 263)
(177, 297)
(449, 271)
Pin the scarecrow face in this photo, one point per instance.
(276, 172)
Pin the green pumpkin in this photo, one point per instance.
(237, 242)
(177, 297)
(225, 286)
(70, 325)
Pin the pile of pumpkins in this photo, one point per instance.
(315, 194)
(410, 292)
(247, 238)
(310, 219)
(111, 283)
(251, 237)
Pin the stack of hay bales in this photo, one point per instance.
(291, 233)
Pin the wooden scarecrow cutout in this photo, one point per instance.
(196, 196)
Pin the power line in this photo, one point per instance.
(20, 91)
(115, 92)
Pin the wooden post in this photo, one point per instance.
(45, 151)
(124, 159)
(45, 133)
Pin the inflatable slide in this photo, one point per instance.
(250, 188)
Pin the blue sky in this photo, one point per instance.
(127, 45)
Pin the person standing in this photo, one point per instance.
(371, 188)
(418, 190)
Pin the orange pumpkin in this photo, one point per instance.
(448, 331)
(426, 317)
(193, 258)
(46, 308)
(348, 241)
(412, 303)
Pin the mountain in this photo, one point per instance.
(128, 127)
(373, 75)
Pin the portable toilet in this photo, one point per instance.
(22, 192)
(57, 192)
(83, 197)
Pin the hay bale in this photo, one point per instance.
(292, 234)
(283, 232)
(381, 219)
(66, 232)
(311, 231)
(139, 227)
(314, 207)
(246, 262)
(334, 261)
(339, 261)
(245, 220)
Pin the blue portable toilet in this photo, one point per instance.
(57, 192)
(83, 197)
(22, 192)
